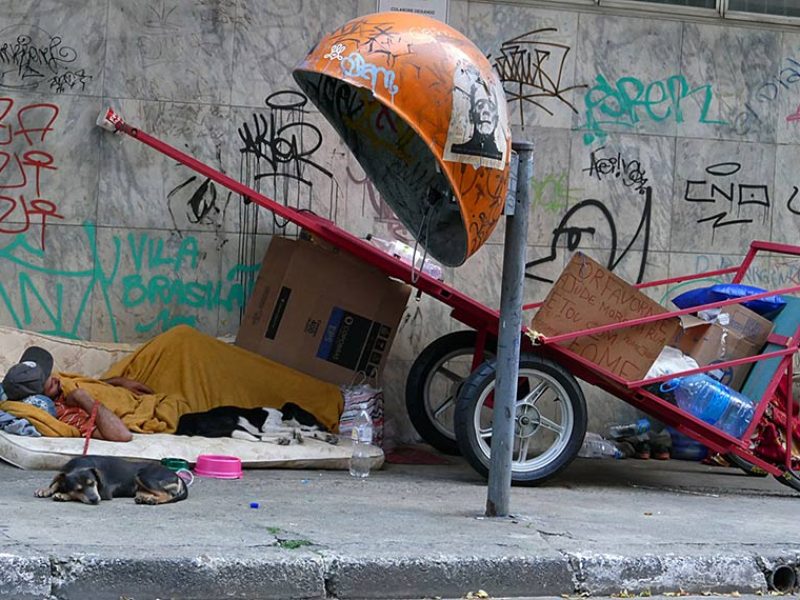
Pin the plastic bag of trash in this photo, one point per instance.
(669, 361)
(362, 397)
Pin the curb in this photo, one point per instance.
(91, 577)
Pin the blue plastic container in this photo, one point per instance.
(685, 448)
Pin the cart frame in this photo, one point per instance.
(485, 320)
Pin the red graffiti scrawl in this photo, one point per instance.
(795, 116)
(23, 158)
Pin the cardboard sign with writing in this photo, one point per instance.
(588, 295)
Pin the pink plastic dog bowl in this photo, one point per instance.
(220, 467)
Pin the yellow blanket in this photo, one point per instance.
(45, 424)
(193, 372)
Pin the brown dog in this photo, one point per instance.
(90, 479)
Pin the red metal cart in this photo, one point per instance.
(551, 411)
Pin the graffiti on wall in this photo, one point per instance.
(532, 71)
(24, 157)
(761, 99)
(281, 155)
(629, 171)
(720, 188)
(783, 272)
(168, 280)
(201, 201)
(629, 101)
(591, 219)
(164, 280)
(552, 193)
(591, 223)
(33, 59)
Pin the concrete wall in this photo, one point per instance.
(102, 238)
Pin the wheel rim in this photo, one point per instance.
(442, 386)
(543, 421)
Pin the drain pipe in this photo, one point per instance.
(782, 578)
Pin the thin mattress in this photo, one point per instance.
(94, 358)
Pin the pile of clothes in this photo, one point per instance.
(11, 424)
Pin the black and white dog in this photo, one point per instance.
(282, 426)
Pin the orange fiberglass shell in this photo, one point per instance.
(424, 114)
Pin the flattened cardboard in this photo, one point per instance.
(708, 343)
(322, 312)
(588, 295)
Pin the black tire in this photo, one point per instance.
(744, 465)
(790, 480)
(433, 383)
(554, 386)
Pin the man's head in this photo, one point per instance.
(483, 109)
(31, 375)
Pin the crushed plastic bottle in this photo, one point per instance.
(594, 446)
(406, 253)
(641, 426)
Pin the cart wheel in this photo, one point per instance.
(744, 465)
(433, 384)
(550, 420)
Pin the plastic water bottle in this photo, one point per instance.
(594, 446)
(406, 253)
(713, 402)
(641, 426)
(362, 441)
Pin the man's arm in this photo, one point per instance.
(108, 425)
(137, 387)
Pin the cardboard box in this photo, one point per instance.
(589, 295)
(707, 343)
(322, 312)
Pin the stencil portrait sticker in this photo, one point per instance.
(478, 131)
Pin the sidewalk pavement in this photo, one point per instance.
(601, 528)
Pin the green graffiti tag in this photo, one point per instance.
(552, 192)
(29, 260)
(629, 101)
(173, 291)
(43, 289)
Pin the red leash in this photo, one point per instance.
(90, 429)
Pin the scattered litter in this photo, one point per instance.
(475, 595)
(304, 481)
(254, 505)
(627, 594)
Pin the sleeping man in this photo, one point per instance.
(31, 379)
(178, 372)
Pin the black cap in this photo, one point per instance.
(28, 377)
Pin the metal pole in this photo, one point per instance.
(505, 391)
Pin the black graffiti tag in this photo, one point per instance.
(730, 192)
(293, 143)
(29, 59)
(630, 172)
(532, 69)
(574, 235)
